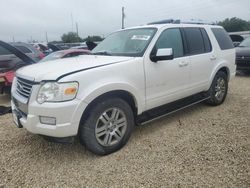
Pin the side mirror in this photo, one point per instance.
(162, 54)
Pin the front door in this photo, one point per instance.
(167, 80)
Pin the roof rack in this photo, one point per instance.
(172, 21)
(165, 22)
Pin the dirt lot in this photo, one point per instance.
(200, 146)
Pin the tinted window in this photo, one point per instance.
(171, 38)
(4, 51)
(23, 49)
(223, 38)
(194, 41)
(207, 43)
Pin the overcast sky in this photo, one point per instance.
(23, 19)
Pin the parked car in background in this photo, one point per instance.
(243, 56)
(29, 50)
(236, 38)
(89, 45)
(65, 54)
(83, 47)
(11, 59)
(42, 48)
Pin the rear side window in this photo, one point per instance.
(194, 40)
(171, 38)
(23, 49)
(207, 43)
(222, 38)
(4, 51)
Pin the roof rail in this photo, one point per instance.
(165, 22)
(172, 21)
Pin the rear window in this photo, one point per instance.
(53, 56)
(194, 41)
(23, 49)
(4, 51)
(223, 38)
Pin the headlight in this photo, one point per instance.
(57, 92)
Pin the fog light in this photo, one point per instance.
(47, 120)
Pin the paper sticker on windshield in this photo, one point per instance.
(140, 37)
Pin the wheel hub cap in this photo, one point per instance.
(220, 89)
(110, 127)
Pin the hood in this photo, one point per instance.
(52, 70)
(243, 51)
(17, 52)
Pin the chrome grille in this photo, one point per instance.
(24, 87)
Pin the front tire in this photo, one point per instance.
(108, 126)
(218, 89)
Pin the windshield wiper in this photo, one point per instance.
(102, 53)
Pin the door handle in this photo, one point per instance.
(213, 57)
(183, 64)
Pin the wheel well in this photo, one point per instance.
(226, 71)
(126, 96)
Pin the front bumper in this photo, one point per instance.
(67, 114)
(243, 64)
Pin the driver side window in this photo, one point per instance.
(171, 38)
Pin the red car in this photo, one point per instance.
(11, 58)
(65, 54)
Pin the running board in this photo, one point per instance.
(167, 109)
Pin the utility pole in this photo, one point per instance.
(72, 22)
(77, 29)
(46, 36)
(123, 17)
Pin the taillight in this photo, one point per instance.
(9, 76)
(41, 55)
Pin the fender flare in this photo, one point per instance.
(221, 65)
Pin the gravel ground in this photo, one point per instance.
(197, 147)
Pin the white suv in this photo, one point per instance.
(135, 75)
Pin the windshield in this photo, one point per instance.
(245, 43)
(53, 56)
(131, 42)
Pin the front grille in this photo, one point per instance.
(24, 87)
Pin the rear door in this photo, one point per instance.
(202, 57)
(167, 80)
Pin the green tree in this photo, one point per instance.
(235, 24)
(93, 38)
(71, 37)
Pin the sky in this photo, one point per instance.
(23, 20)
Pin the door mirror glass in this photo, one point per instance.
(163, 54)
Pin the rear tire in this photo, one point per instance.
(218, 89)
(108, 126)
